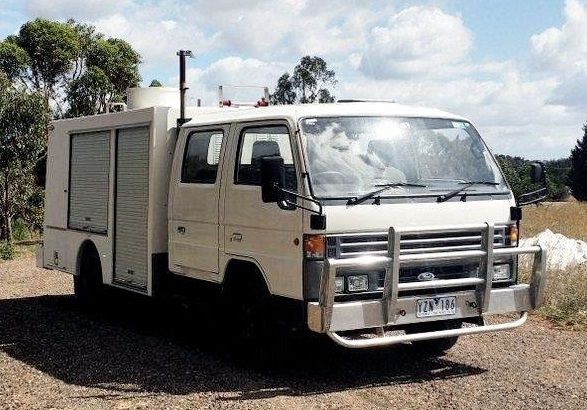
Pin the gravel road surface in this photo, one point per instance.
(138, 354)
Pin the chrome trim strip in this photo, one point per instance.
(370, 314)
(486, 269)
(391, 281)
(380, 233)
(390, 340)
(441, 283)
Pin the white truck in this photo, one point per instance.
(374, 223)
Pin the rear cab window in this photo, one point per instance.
(201, 157)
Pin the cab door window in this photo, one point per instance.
(266, 141)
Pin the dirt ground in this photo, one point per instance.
(137, 354)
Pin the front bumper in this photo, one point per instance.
(326, 316)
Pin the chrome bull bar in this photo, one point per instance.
(388, 311)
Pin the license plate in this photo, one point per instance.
(436, 306)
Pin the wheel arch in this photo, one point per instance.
(239, 268)
(85, 249)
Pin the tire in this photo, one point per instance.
(248, 318)
(435, 347)
(87, 285)
(250, 309)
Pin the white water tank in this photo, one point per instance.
(139, 97)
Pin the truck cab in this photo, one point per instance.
(415, 215)
(374, 223)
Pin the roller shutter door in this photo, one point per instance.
(132, 204)
(89, 181)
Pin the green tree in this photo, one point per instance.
(23, 118)
(310, 82)
(517, 172)
(557, 175)
(87, 36)
(51, 47)
(13, 59)
(284, 91)
(118, 61)
(90, 93)
(578, 174)
(155, 83)
(57, 59)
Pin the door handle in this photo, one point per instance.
(236, 237)
(181, 230)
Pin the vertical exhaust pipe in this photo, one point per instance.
(182, 86)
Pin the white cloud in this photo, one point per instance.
(204, 83)
(156, 39)
(85, 9)
(562, 54)
(564, 49)
(570, 92)
(280, 30)
(416, 41)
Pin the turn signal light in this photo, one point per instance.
(314, 246)
(512, 235)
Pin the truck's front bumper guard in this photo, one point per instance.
(328, 317)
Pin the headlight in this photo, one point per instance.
(358, 283)
(501, 272)
(339, 284)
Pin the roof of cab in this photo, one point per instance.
(316, 110)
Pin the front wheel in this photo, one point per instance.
(249, 308)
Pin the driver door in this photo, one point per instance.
(257, 231)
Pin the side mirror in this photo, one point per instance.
(272, 178)
(537, 176)
(537, 173)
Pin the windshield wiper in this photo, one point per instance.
(467, 184)
(358, 199)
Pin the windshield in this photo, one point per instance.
(350, 156)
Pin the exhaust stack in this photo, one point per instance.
(182, 86)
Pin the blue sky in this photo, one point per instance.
(517, 69)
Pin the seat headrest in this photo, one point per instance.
(265, 149)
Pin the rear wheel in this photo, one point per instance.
(87, 285)
(435, 347)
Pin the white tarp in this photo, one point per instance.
(562, 252)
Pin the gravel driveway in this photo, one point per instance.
(139, 354)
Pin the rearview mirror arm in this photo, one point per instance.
(542, 196)
(306, 198)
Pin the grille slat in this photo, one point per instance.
(349, 246)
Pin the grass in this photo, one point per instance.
(21, 246)
(566, 290)
(8, 252)
(568, 218)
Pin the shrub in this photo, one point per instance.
(20, 230)
(6, 251)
